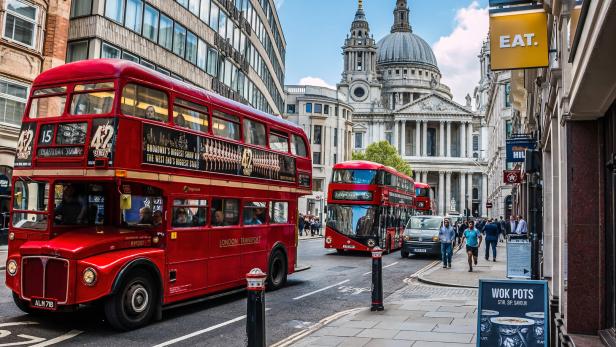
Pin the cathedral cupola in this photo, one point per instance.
(401, 18)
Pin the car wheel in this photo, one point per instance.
(134, 303)
(277, 274)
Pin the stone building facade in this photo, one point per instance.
(328, 121)
(394, 86)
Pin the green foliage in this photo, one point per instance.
(386, 154)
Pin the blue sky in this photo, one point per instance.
(315, 31)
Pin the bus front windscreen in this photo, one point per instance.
(355, 176)
(356, 220)
(422, 192)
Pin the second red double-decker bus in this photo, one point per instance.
(368, 204)
(139, 191)
(425, 204)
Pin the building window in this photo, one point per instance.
(308, 107)
(326, 109)
(508, 129)
(508, 94)
(475, 143)
(81, 8)
(202, 55)
(359, 140)
(131, 57)
(318, 108)
(291, 109)
(212, 62)
(335, 158)
(193, 6)
(317, 134)
(150, 23)
(165, 35)
(179, 40)
(316, 158)
(109, 51)
(134, 11)
(214, 17)
(114, 10)
(12, 101)
(20, 23)
(317, 185)
(77, 51)
(191, 48)
(205, 11)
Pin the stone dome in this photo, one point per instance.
(405, 48)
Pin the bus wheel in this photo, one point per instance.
(134, 303)
(22, 304)
(277, 274)
(340, 251)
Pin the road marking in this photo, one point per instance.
(59, 339)
(384, 267)
(196, 333)
(2, 325)
(29, 339)
(320, 290)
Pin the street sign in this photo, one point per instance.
(516, 148)
(512, 313)
(512, 176)
(518, 258)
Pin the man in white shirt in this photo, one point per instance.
(522, 228)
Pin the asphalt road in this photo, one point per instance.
(333, 284)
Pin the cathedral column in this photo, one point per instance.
(403, 138)
(484, 195)
(447, 191)
(470, 192)
(462, 193)
(448, 139)
(463, 140)
(417, 138)
(441, 193)
(469, 152)
(441, 148)
(395, 136)
(425, 139)
(425, 176)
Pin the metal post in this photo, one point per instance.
(533, 208)
(377, 279)
(255, 314)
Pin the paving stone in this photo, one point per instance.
(378, 333)
(440, 344)
(328, 341)
(433, 336)
(440, 314)
(359, 324)
(389, 343)
(464, 321)
(464, 308)
(443, 320)
(339, 331)
(446, 328)
(405, 326)
(355, 342)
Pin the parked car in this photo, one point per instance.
(421, 236)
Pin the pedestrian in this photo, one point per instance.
(521, 228)
(461, 230)
(491, 233)
(502, 229)
(446, 236)
(301, 224)
(513, 224)
(473, 239)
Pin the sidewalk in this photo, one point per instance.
(3, 254)
(418, 315)
(308, 237)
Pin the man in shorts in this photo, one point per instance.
(473, 241)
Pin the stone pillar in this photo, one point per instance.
(462, 200)
(395, 136)
(418, 138)
(403, 139)
(441, 193)
(425, 139)
(469, 184)
(449, 139)
(462, 140)
(484, 194)
(469, 144)
(441, 147)
(447, 191)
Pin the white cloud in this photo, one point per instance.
(279, 4)
(457, 53)
(315, 81)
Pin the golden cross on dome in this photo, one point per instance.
(361, 4)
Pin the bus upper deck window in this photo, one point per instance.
(226, 125)
(144, 102)
(298, 147)
(48, 102)
(189, 115)
(254, 133)
(99, 99)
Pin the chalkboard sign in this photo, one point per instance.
(512, 313)
(518, 258)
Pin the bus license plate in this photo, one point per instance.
(348, 246)
(420, 250)
(44, 304)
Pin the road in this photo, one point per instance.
(333, 284)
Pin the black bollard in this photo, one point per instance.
(255, 314)
(377, 279)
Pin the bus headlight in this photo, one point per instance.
(11, 267)
(11, 236)
(89, 276)
(328, 240)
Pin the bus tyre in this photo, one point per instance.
(22, 304)
(340, 251)
(277, 274)
(134, 304)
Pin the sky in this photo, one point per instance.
(315, 31)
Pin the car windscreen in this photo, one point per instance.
(424, 223)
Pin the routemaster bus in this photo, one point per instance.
(368, 204)
(138, 192)
(425, 204)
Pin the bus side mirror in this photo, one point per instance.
(125, 202)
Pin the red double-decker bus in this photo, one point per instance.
(425, 204)
(139, 191)
(368, 204)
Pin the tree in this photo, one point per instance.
(386, 154)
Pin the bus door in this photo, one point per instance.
(255, 234)
(225, 245)
(187, 240)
